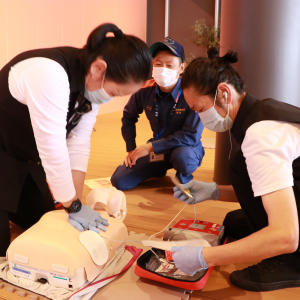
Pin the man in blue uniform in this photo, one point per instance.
(176, 128)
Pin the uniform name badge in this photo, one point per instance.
(156, 157)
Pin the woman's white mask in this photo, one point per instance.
(98, 96)
(213, 121)
(164, 76)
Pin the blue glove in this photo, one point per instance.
(199, 190)
(189, 259)
(86, 219)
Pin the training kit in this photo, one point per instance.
(55, 260)
(160, 267)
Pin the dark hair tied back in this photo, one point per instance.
(213, 52)
(128, 58)
(97, 36)
(231, 57)
(204, 74)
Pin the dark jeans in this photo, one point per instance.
(185, 160)
(32, 206)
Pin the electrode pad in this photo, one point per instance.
(95, 245)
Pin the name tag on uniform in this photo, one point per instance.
(156, 157)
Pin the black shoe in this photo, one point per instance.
(270, 274)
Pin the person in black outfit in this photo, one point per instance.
(48, 106)
(264, 168)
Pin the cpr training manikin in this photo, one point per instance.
(53, 250)
(54, 259)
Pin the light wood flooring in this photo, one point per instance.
(151, 205)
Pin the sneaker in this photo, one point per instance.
(270, 274)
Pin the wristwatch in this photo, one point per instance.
(74, 207)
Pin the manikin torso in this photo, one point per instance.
(53, 245)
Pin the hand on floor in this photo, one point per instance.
(141, 151)
(188, 259)
(199, 190)
(86, 219)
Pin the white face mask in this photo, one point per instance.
(213, 121)
(164, 76)
(98, 96)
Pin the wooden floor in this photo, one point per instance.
(151, 205)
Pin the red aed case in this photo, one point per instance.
(212, 231)
(140, 270)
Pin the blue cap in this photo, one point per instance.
(171, 44)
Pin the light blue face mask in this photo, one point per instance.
(98, 96)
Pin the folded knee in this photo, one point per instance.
(119, 183)
(181, 158)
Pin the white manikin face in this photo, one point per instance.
(110, 199)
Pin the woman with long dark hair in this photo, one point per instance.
(48, 106)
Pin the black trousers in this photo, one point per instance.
(32, 206)
(236, 225)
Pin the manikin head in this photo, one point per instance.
(110, 200)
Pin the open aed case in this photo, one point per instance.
(199, 279)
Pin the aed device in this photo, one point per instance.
(182, 230)
(190, 229)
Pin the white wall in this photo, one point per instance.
(30, 24)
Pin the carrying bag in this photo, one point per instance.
(197, 282)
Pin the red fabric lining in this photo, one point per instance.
(198, 285)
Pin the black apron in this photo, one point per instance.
(253, 110)
(18, 151)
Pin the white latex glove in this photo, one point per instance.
(199, 190)
(189, 259)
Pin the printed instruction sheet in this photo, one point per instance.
(98, 183)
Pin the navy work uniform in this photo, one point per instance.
(176, 133)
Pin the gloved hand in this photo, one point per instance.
(87, 218)
(189, 259)
(199, 190)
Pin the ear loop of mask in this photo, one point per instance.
(229, 129)
(227, 122)
(103, 79)
(215, 97)
(91, 75)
